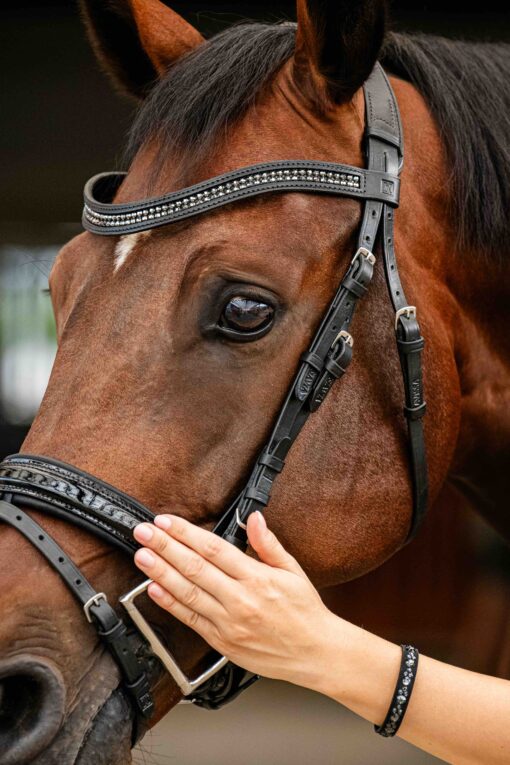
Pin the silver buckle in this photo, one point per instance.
(239, 522)
(363, 252)
(186, 684)
(345, 336)
(93, 601)
(409, 311)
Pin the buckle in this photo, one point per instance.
(93, 601)
(364, 253)
(345, 336)
(409, 311)
(186, 684)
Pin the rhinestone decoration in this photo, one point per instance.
(401, 696)
(203, 199)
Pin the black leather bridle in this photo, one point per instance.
(70, 494)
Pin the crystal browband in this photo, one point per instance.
(102, 217)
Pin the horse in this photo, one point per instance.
(144, 396)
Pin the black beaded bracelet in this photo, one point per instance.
(402, 693)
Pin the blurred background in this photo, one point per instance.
(61, 123)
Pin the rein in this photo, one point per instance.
(68, 493)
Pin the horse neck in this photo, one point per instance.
(482, 346)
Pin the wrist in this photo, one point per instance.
(356, 668)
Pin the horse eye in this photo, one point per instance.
(245, 315)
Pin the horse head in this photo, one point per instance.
(177, 344)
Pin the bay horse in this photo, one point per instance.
(142, 398)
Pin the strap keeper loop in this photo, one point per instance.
(354, 286)
(259, 495)
(315, 361)
(271, 461)
(410, 346)
(415, 412)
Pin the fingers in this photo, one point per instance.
(186, 561)
(187, 593)
(186, 615)
(209, 546)
(267, 546)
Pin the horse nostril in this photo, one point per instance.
(32, 702)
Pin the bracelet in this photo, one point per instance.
(402, 693)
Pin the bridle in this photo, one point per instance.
(68, 493)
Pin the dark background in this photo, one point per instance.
(61, 121)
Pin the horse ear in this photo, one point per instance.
(337, 45)
(137, 40)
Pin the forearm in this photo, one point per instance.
(459, 716)
(267, 616)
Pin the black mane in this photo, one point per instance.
(464, 84)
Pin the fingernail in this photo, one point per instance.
(155, 591)
(145, 558)
(260, 519)
(144, 532)
(163, 522)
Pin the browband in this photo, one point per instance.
(102, 217)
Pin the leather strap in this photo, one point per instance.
(385, 154)
(326, 360)
(100, 216)
(73, 495)
(110, 628)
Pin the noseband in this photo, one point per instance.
(68, 493)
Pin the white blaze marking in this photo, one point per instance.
(125, 247)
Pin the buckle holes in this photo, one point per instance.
(374, 213)
(41, 537)
(19, 518)
(367, 238)
(397, 293)
(61, 559)
(390, 240)
(77, 581)
(392, 267)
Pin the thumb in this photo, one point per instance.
(267, 546)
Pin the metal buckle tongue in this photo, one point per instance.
(363, 252)
(186, 684)
(409, 311)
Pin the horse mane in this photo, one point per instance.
(465, 86)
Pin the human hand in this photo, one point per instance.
(265, 614)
